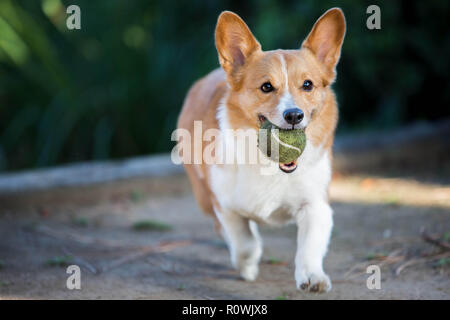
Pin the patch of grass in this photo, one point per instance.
(446, 236)
(59, 261)
(80, 222)
(370, 256)
(393, 200)
(150, 225)
(4, 283)
(273, 260)
(181, 287)
(443, 262)
(137, 196)
(31, 226)
(282, 297)
(375, 255)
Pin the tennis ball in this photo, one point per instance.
(290, 143)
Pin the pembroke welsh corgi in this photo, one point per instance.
(291, 89)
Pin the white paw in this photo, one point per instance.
(249, 272)
(317, 282)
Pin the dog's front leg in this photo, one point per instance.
(314, 229)
(244, 243)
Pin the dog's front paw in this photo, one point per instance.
(313, 282)
(249, 272)
(246, 262)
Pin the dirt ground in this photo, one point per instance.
(110, 232)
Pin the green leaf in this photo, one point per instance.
(150, 225)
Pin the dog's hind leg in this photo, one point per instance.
(244, 243)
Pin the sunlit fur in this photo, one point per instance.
(231, 97)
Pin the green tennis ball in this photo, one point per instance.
(290, 143)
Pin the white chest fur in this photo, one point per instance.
(275, 198)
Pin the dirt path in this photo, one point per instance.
(377, 221)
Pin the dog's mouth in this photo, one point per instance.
(261, 119)
(288, 167)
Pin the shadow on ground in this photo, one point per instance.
(181, 256)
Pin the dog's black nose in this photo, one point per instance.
(293, 116)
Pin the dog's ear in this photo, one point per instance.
(326, 37)
(235, 42)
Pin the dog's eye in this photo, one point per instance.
(307, 85)
(267, 87)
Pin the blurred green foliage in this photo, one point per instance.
(114, 88)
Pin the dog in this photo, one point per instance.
(291, 89)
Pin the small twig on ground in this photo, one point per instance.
(421, 260)
(434, 240)
(142, 252)
(80, 261)
(392, 258)
(75, 237)
(396, 257)
(139, 253)
(395, 240)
